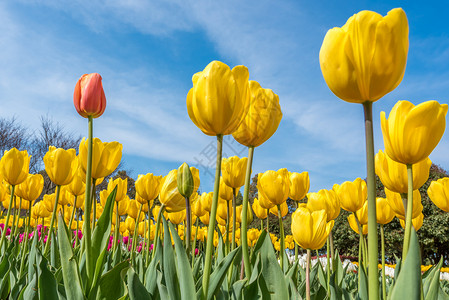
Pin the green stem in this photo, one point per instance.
(268, 223)
(116, 228)
(194, 241)
(13, 227)
(147, 252)
(227, 227)
(328, 267)
(384, 281)
(282, 243)
(53, 215)
(94, 204)
(25, 246)
(308, 275)
(244, 229)
(87, 242)
(135, 235)
(156, 235)
(408, 219)
(296, 252)
(71, 218)
(188, 230)
(234, 217)
(19, 210)
(8, 215)
(373, 256)
(332, 251)
(77, 228)
(213, 213)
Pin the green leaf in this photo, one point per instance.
(162, 288)
(31, 290)
(271, 271)
(169, 265)
(111, 284)
(70, 274)
(32, 256)
(185, 276)
(150, 275)
(136, 289)
(363, 283)
(431, 286)
(219, 273)
(47, 282)
(408, 284)
(101, 233)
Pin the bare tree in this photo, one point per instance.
(51, 133)
(13, 134)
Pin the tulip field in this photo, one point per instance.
(173, 242)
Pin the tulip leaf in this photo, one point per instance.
(163, 292)
(100, 237)
(31, 290)
(136, 289)
(32, 256)
(47, 282)
(219, 273)
(363, 283)
(169, 265)
(185, 276)
(70, 273)
(150, 275)
(111, 284)
(321, 275)
(271, 271)
(431, 285)
(408, 284)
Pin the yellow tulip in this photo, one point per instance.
(77, 187)
(206, 200)
(219, 99)
(438, 192)
(263, 118)
(65, 197)
(15, 166)
(275, 186)
(130, 224)
(177, 217)
(148, 186)
(155, 212)
(249, 214)
(234, 170)
(394, 175)
(352, 195)
(353, 224)
(365, 59)
(299, 185)
(122, 206)
(223, 208)
(284, 210)
(133, 210)
(397, 203)
(412, 132)
(205, 218)
(105, 157)
(259, 211)
(31, 188)
(310, 229)
(384, 212)
(197, 208)
(417, 222)
(61, 165)
(362, 214)
(324, 199)
(169, 195)
(79, 201)
(225, 192)
(263, 200)
(122, 188)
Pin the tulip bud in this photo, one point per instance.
(185, 180)
(89, 98)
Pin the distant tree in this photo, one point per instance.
(13, 135)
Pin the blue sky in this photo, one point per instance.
(147, 52)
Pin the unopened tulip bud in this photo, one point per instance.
(185, 180)
(89, 98)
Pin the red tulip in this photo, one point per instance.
(89, 98)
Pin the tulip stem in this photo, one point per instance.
(94, 204)
(213, 213)
(8, 215)
(282, 243)
(244, 225)
(87, 242)
(71, 218)
(55, 206)
(308, 275)
(408, 219)
(116, 228)
(194, 241)
(384, 281)
(228, 220)
(156, 235)
(373, 256)
(268, 221)
(135, 235)
(328, 267)
(188, 231)
(234, 218)
(19, 210)
(331, 239)
(147, 252)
